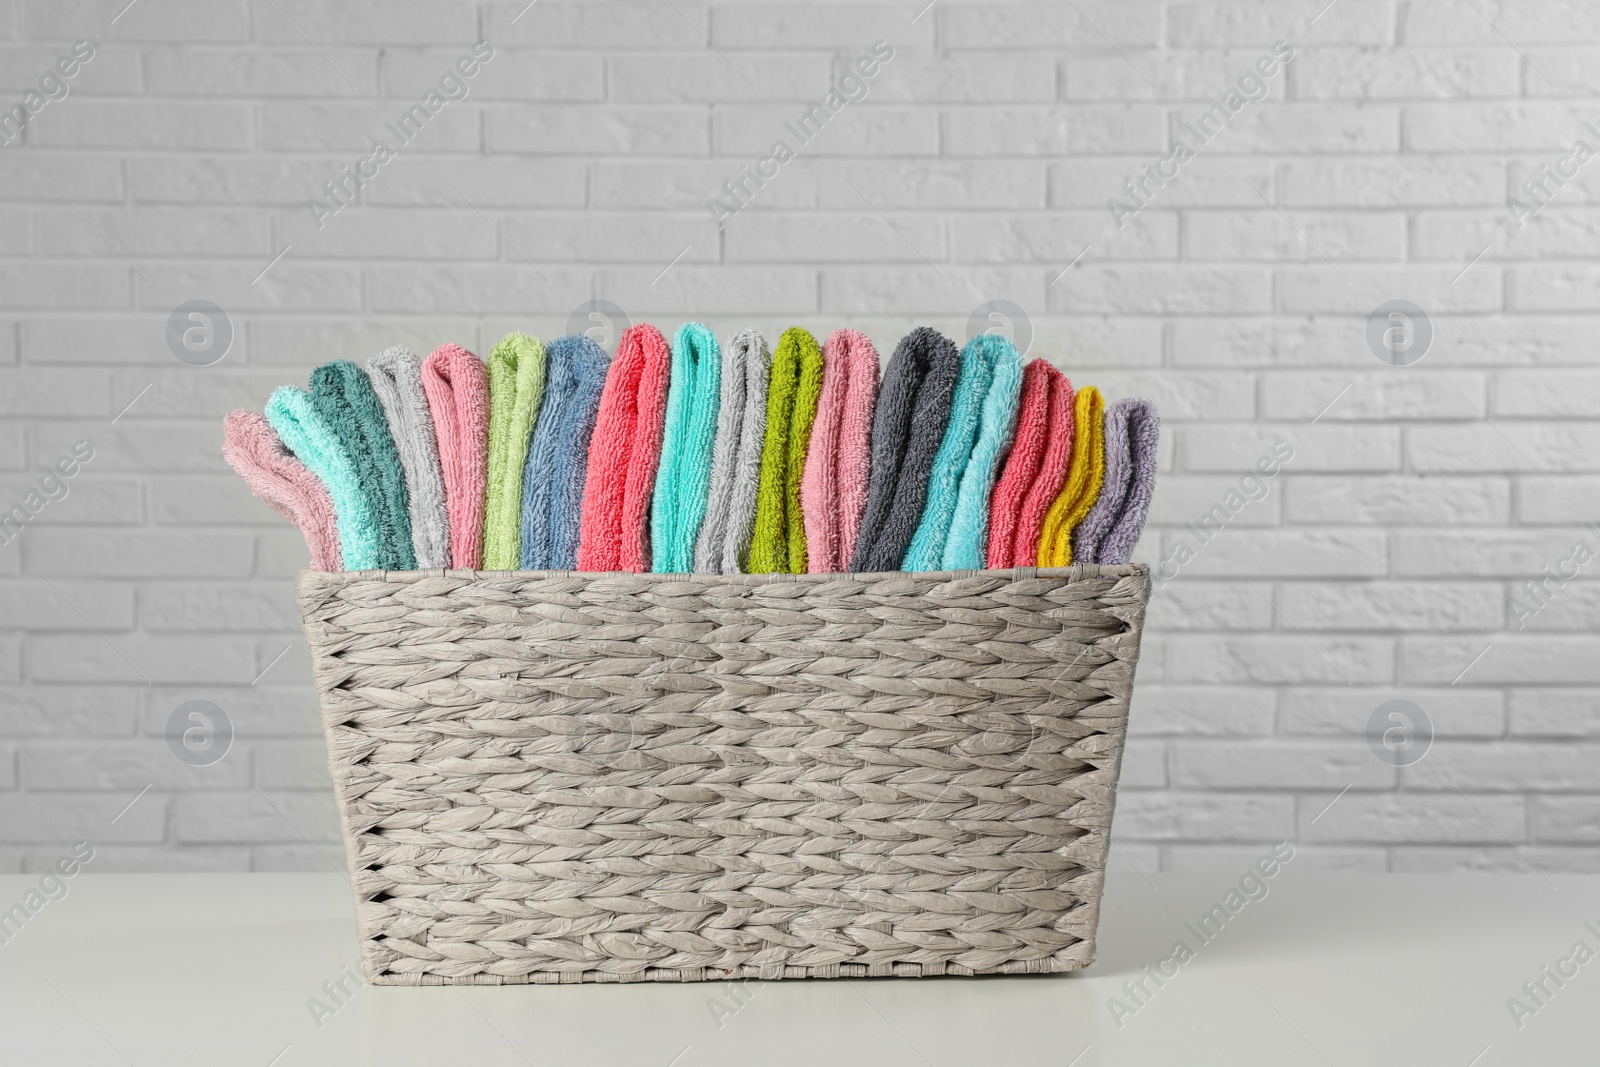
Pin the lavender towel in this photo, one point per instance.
(1109, 533)
(558, 453)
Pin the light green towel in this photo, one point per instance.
(516, 389)
(778, 541)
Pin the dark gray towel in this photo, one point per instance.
(913, 408)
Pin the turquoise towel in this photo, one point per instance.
(966, 549)
(296, 421)
(926, 552)
(684, 477)
(558, 453)
(342, 394)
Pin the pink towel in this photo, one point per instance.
(457, 386)
(833, 486)
(614, 531)
(288, 487)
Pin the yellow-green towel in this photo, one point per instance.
(778, 542)
(1084, 474)
(516, 389)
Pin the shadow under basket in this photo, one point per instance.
(557, 777)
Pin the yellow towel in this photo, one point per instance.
(1084, 474)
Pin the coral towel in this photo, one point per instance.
(1112, 528)
(693, 396)
(283, 482)
(913, 410)
(833, 487)
(724, 543)
(396, 375)
(558, 453)
(778, 539)
(1084, 473)
(1034, 472)
(298, 424)
(516, 388)
(967, 543)
(343, 396)
(614, 532)
(457, 388)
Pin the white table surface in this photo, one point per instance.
(167, 970)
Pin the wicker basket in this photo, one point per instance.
(557, 777)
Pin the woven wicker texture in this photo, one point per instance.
(555, 777)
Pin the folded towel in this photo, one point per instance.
(778, 538)
(724, 543)
(516, 387)
(343, 396)
(287, 485)
(978, 364)
(833, 487)
(457, 388)
(907, 428)
(558, 453)
(295, 419)
(624, 453)
(1036, 468)
(1084, 473)
(396, 375)
(684, 478)
(966, 546)
(1112, 528)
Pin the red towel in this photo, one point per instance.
(614, 530)
(457, 386)
(833, 484)
(1036, 469)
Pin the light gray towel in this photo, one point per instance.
(396, 375)
(724, 542)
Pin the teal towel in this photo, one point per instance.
(558, 453)
(684, 477)
(295, 419)
(966, 549)
(343, 396)
(926, 552)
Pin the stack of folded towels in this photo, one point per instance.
(685, 456)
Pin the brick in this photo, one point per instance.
(146, 231)
(210, 607)
(1547, 447)
(1507, 659)
(125, 765)
(354, 128)
(1289, 128)
(509, 286)
(73, 711)
(1559, 22)
(185, 179)
(1549, 712)
(613, 130)
(1267, 235)
(321, 858)
(139, 657)
(1276, 765)
(159, 20)
(965, 184)
(487, 183)
(678, 185)
(930, 289)
(1406, 74)
(1458, 712)
(1499, 126)
(853, 28)
(388, 234)
(1543, 394)
(1209, 606)
(290, 764)
(109, 71)
(774, 237)
(1554, 287)
(289, 284)
(1049, 131)
(1507, 766)
(280, 816)
(1320, 288)
(70, 605)
(1400, 500)
(1230, 341)
(956, 78)
(1183, 498)
(1058, 237)
(44, 393)
(1414, 817)
(1573, 607)
(713, 290)
(261, 71)
(1566, 819)
(289, 341)
(512, 74)
(264, 710)
(382, 22)
(587, 25)
(280, 554)
(1424, 606)
(620, 237)
(1278, 658)
(1234, 859)
(1036, 25)
(1192, 817)
(57, 818)
(1387, 183)
(1221, 182)
(1565, 71)
(135, 447)
(143, 125)
(681, 78)
(1555, 233)
(1203, 711)
(1294, 553)
(1518, 340)
(1239, 449)
(1143, 765)
(82, 286)
(141, 553)
(1192, 74)
(1486, 553)
(1254, 22)
(1161, 289)
(1560, 500)
(750, 133)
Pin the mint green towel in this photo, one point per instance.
(343, 396)
(295, 420)
(684, 477)
(950, 462)
(516, 389)
(966, 548)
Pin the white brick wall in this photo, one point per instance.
(1381, 563)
